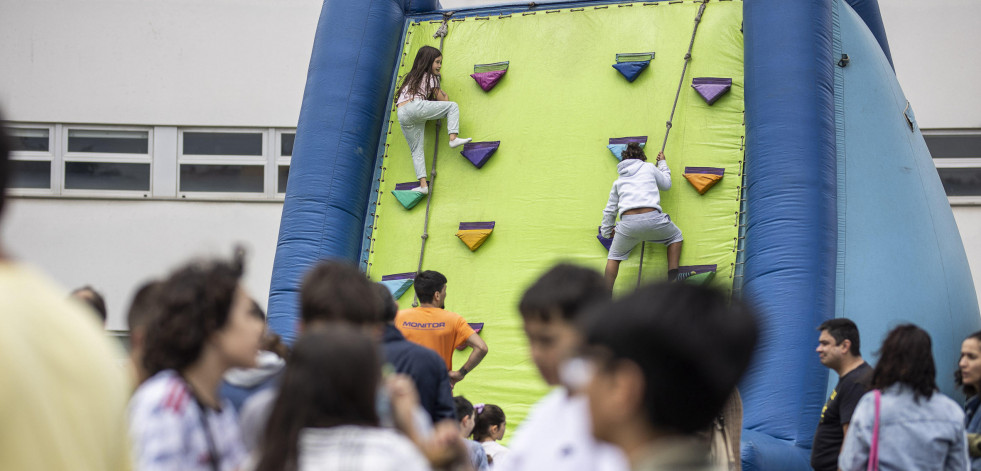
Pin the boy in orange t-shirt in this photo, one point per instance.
(442, 331)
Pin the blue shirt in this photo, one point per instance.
(923, 435)
(427, 370)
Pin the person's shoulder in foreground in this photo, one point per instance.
(63, 386)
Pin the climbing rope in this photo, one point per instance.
(681, 82)
(441, 34)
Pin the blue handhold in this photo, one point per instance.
(630, 70)
(397, 287)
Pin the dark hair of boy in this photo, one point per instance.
(562, 293)
(427, 284)
(390, 308)
(842, 329)
(93, 299)
(463, 407)
(690, 344)
(335, 291)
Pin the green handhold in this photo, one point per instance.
(408, 198)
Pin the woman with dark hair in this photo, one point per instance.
(968, 376)
(905, 423)
(420, 99)
(325, 416)
(636, 198)
(203, 328)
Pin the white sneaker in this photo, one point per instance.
(460, 141)
(421, 189)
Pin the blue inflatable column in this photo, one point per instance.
(791, 230)
(344, 105)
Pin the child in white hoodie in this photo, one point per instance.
(636, 198)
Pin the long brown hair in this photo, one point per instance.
(422, 66)
(331, 379)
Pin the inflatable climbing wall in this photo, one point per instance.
(541, 193)
(799, 177)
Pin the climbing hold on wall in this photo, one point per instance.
(618, 144)
(703, 178)
(403, 192)
(696, 274)
(487, 75)
(475, 233)
(606, 241)
(631, 65)
(398, 283)
(711, 88)
(479, 152)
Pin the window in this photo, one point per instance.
(79, 160)
(222, 162)
(283, 160)
(957, 156)
(33, 153)
(107, 160)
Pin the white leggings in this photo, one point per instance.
(413, 117)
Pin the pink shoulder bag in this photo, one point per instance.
(874, 449)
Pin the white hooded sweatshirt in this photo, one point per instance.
(637, 187)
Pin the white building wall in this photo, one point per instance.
(179, 62)
(243, 63)
(118, 245)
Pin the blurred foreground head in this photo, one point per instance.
(664, 359)
(202, 309)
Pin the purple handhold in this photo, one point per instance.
(400, 276)
(711, 88)
(706, 170)
(406, 186)
(607, 242)
(466, 226)
(488, 79)
(479, 152)
(628, 140)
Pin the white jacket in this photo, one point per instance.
(637, 187)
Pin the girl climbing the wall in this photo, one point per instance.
(419, 99)
(636, 197)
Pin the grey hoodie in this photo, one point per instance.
(637, 187)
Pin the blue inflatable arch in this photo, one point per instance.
(845, 215)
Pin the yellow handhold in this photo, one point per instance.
(474, 238)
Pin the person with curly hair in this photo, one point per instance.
(636, 198)
(204, 327)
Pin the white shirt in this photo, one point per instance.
(357, 448)
(637, 187)
(168, 433)
(557, 435)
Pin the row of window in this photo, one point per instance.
(254, 163)
(117, 161)
(957, 156)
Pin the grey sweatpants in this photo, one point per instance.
(413, 117)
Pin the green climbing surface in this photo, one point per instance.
(549, 184)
